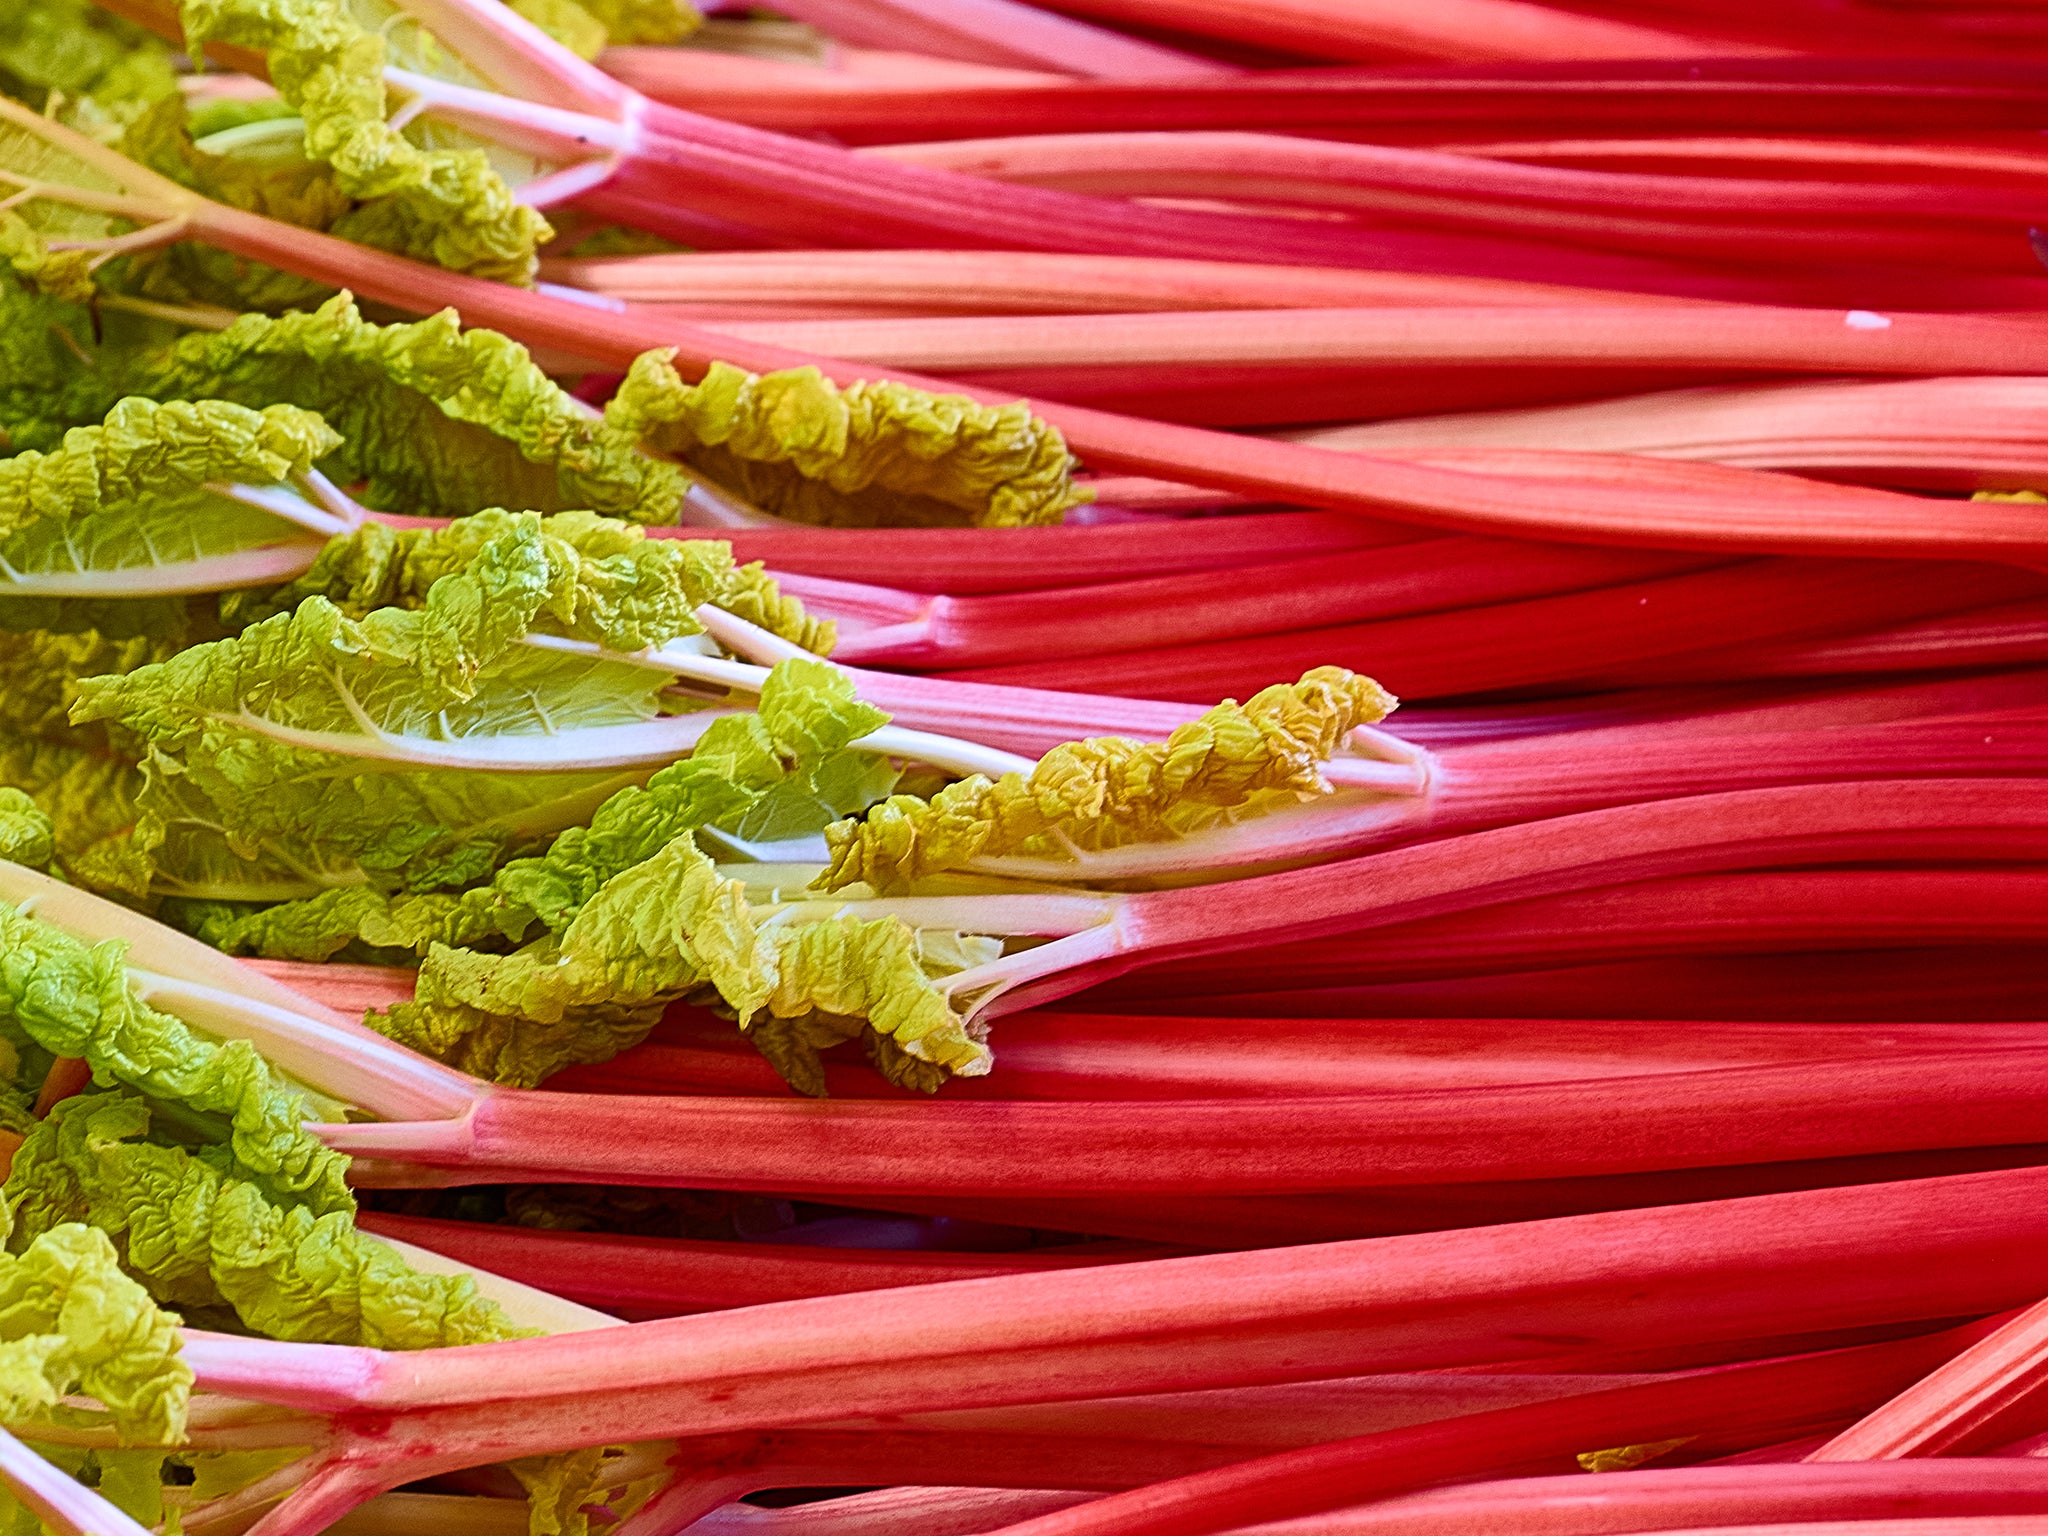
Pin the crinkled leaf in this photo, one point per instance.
(72, 1321)
(662, 930)
(82, 778)
(611, 584)
(103, 70)
(26, 834)
(453, 668)
(129, 502)
(440, 421)
(74, 999)
(65, 275)
(1235, 762)
(447, 206)
(198, 1235)
(745, 777)
(560, 1490)
(869, 455)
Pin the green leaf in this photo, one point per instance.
(74, 999)
(438, 420)
(101, 69)
(200, 1236)
(26, 834)
(82, 778)
(870, 455)
(71, 1321)
(448, 206)
(567, 23)
(668, 927)
(399, 682)
(130, 509)
(254, 160)
(1235, 762)
(744, 777)
(645, 21)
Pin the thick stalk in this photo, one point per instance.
(1052, 1054)
(663, 1277)
(1735, 1115)
(1703, 95)
(1983, 1397)
(1982, 982)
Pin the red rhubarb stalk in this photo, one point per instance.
(1989, 1393)
(1598, 514)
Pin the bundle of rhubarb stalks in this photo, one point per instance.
(917, 767)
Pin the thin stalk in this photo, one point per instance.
(963, 561)
(1551, 639)
(1982, 982)
(1430, 575)
(1945, 433)
(62, 1503)
(1025, 282)
(1720, 217)
(1373, 32)
(1780, 912)
(1682, 1498)
(1520, 780)
(1005, 33)
(2001, 635)
(1749, 338)
(665, 1277)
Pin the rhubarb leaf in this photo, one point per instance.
(257, 164)
(97, 70)
(198, 1235)
(587, 27)
(567, 23)
(783, 773)
(26, 833)
(645, 21)
(50, 374)
(74, 999)
(445, 205)
(251, 730)
(81, 777)
(71, 1321)
(437, 420)
(610, 584)
(664, 928)
(870, 455)
(65, 275)
(667, 928)
(133, 508)
(1235, 762)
